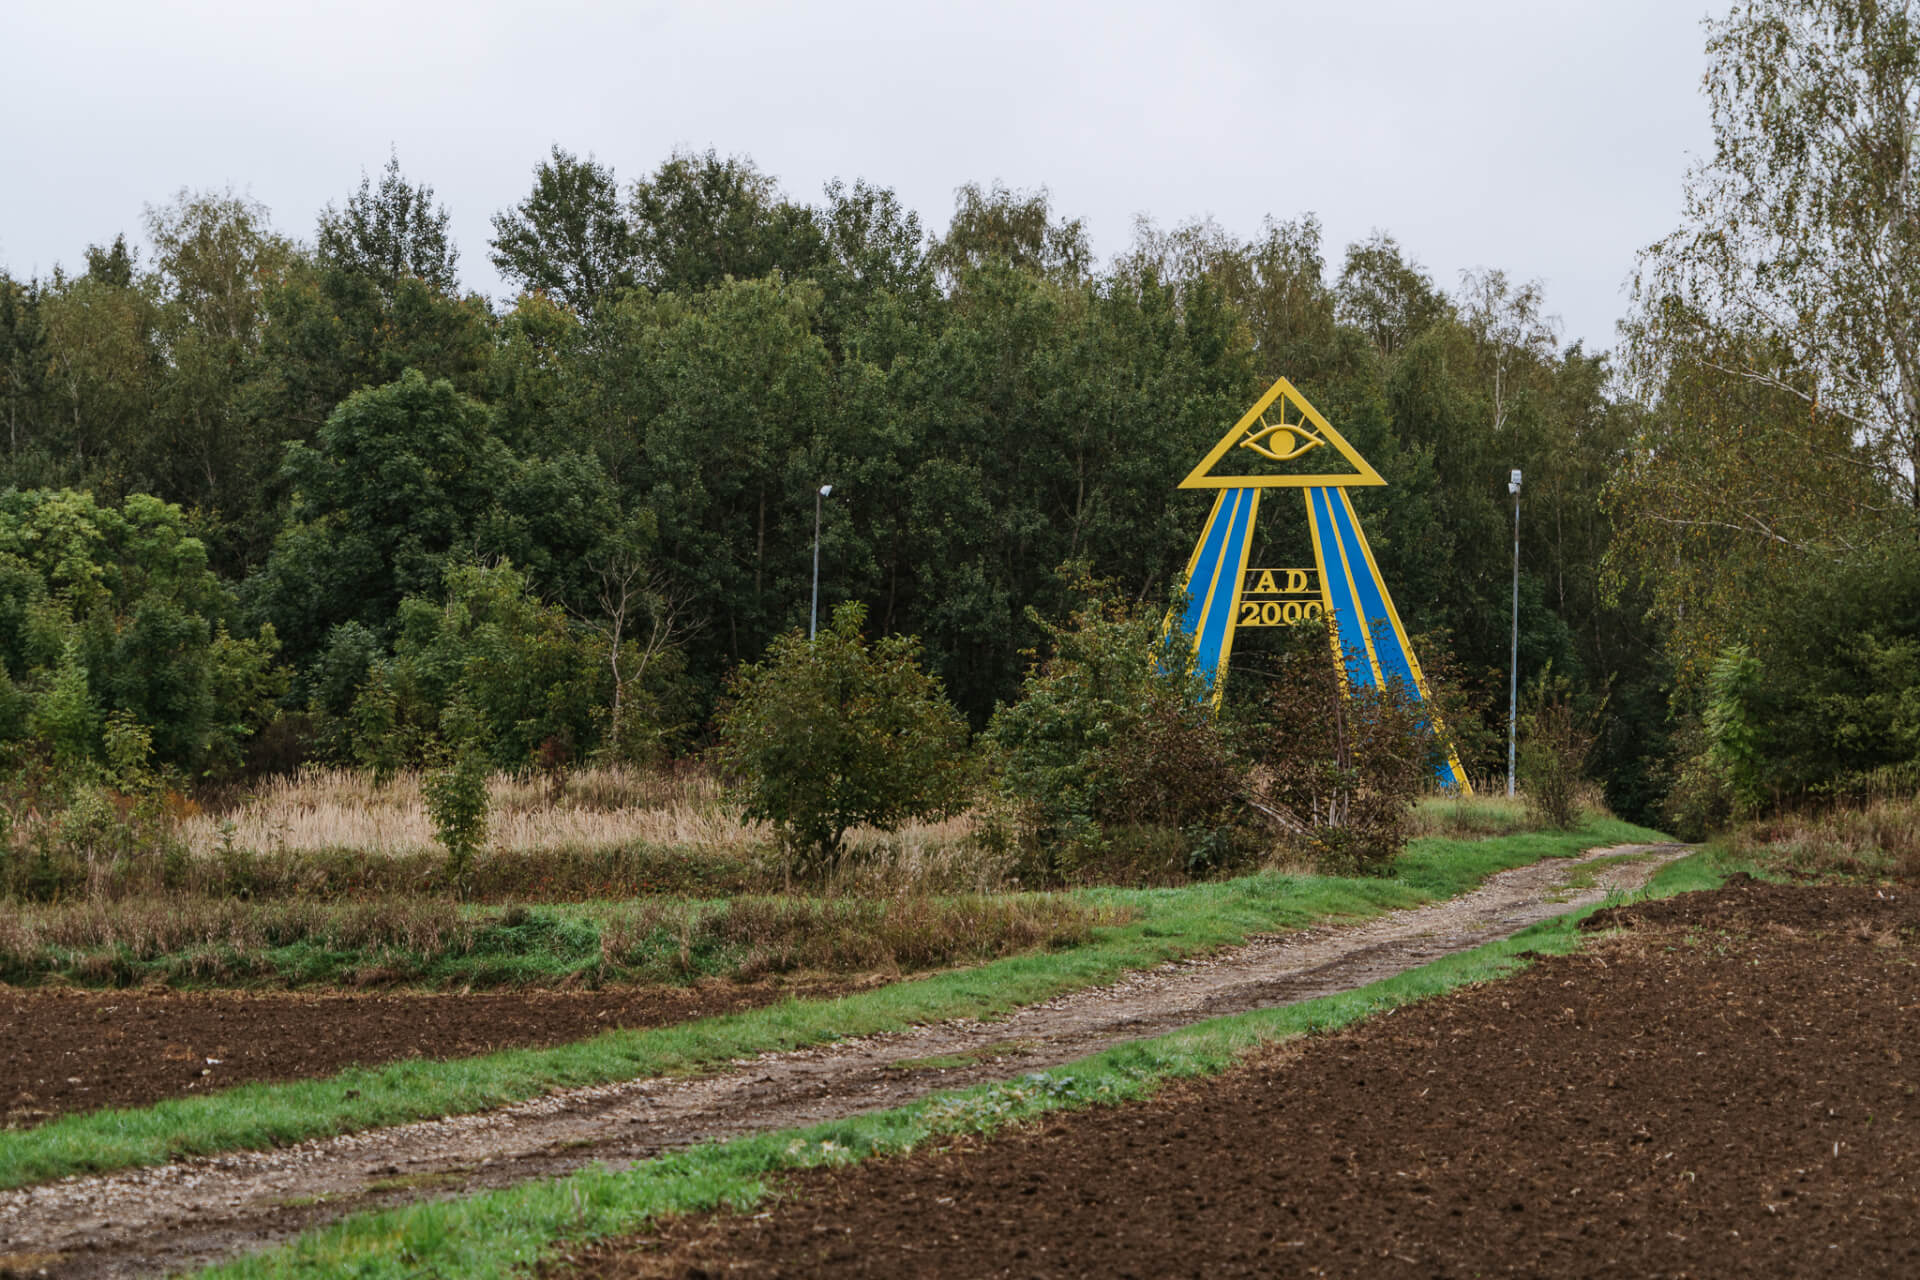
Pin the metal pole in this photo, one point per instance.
(1513, 667)
(813, 622)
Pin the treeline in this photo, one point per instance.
(268, 500)
(394, 496)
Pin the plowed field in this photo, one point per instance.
(63, 1051)
(1726, 1087)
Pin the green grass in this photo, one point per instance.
(1167, 924)
(506, 1233)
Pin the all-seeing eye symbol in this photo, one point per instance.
(1283, 442)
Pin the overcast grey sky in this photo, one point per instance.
(1546, 138)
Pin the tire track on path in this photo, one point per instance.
(191, 1212)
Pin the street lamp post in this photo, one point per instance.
(813, 622)
(1513, 666)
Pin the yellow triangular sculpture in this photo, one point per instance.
(1262, 450)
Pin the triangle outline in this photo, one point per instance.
(1362, 475)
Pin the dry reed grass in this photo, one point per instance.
(588, 810)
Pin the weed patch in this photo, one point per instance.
(432, 942)
(1866, 840)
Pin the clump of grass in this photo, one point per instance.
(1868, 839)
(202, 940)
(1479, 816)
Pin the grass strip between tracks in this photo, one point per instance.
(1169, 924)
(506, 1233)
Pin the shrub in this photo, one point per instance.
(456, 796)
(1340, 767)
(1553, 752)
(1113, 733)
(827, 734)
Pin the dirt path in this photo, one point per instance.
(196, 1211)
(1724, 1087)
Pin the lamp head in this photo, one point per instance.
(826, 490)
(1513, 482)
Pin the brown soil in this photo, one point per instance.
(67, 1051)
(1726, 1088)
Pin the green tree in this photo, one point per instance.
(1014, 228)
(1110, 730)
(390, 233)
(1386, 296)
(732, 453)
(386, 495)
(116, 609)
(23, 366)
(1803, 224)
(205, 447)
(1827, 695)
(569, 237)
(103, 364)
(374, 299)
(831, 733)
(699, 219)
(519, 672)
(1733, 492)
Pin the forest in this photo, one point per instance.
(283, 494)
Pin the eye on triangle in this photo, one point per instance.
(1282, 442)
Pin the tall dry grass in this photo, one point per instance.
(595, 833)
(589, 809)
(1866, 839)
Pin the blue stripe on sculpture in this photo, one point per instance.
(1387, 650)
(1348, 624)
(1219, 608)
(1197, 585)
(1373, 604)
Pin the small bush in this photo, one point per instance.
(456, 797)
(1552, 759)
(1343, 767)
(1114, 752)
(832, 733)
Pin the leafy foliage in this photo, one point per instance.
(1553, 755)
(113, 611)
(390, 233)
(456, 794)
(568, 238)
(1112, 731)
(831, 733)
(1341, 766)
